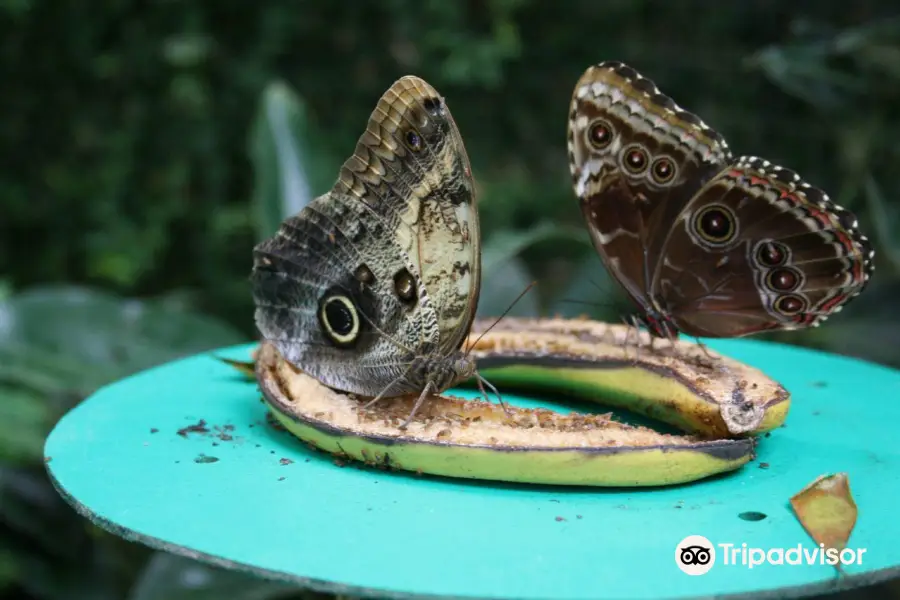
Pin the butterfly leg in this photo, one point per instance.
(416, 406)
(703, 347)
(628, 326)
(382, 393)
(504, 405)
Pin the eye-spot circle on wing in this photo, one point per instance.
(339, 319)
(715, 224)
(635, 159)
(405, 286)
(663, 170)
(600, 134)
(790, 304)
(364, 274)
(413, 140)
(770, 254)
(432, 105)
(784, 279)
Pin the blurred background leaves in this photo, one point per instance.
(149, 144)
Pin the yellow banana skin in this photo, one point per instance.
(693, 389)
(473, 439)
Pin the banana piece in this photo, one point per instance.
(474, 439)
(681, 383)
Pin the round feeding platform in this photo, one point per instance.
(183, 458)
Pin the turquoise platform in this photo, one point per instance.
(240, 493)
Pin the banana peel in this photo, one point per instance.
(720, 404)
(679, 383)
(475, 439)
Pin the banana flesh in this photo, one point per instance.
(681, 383)
(457, 437)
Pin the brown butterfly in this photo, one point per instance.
(372, 287)
(704, 243)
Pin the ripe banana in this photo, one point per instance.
(721, 404)
(680, 383)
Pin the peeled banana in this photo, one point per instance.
(720, 403)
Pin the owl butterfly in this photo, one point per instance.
(704, 243)
(373, 286)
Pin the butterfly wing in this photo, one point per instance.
(412, 169)
(386, 265)
(760, 249)
(325, 295)
(636, 159)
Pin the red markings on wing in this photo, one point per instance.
(829, 306)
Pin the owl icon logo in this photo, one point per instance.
(695, 555)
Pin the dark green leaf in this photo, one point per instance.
(25, 421)
(500, 288)
(60, 339)
(287, 174)
(591, 291)
(505, 245)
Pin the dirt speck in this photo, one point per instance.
(577, 516)
(560, 519)
(204, 459)
(763, 465)
(198, 427)
(281, 479)
(819, 384)
(154, 430)
(285, 461)
(554, 500)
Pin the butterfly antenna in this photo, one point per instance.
(589, 303)
(386, 336)
(505, 312)
(387, 388)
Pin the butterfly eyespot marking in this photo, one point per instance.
(364, 274)
(663, 170)
(339, 319)
(635, 159)
(790, 304)
(600, 134)
(715, 224)
(771, 254)
(405, 286)
(413, 140)
(783, 279)
(432, 105)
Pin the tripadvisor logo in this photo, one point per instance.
(696, 555)
(795, 555)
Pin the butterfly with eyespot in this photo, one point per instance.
(704, 244)
(373, 286)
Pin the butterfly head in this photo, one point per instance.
(442, 372)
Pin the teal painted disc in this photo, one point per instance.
(249, 496)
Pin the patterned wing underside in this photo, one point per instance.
(411, 168)
(318, 252)
(732, 289)
(628, 206)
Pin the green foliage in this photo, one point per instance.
(150, 145)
